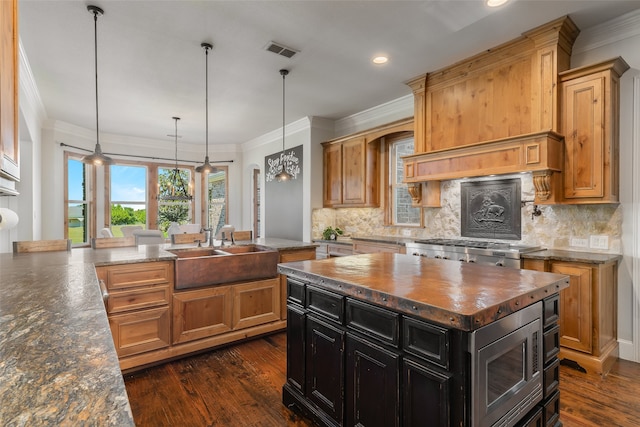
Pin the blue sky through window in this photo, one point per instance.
(129, 184)
(75, 179)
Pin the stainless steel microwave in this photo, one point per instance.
(506, 368)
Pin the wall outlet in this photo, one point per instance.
(599, 241)
(406, 233)
(577, 242)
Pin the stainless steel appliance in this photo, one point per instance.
(501, 254)
(506, 368)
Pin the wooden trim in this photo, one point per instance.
(404, 125)
(112, 242)
(28, 246)
(256, 202)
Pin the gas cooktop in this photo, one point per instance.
(479, 244)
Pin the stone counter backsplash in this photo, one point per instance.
(554, 228)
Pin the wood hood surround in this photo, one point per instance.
(497, 112)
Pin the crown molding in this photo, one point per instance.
(397, 109)
(300, 125)
(612, 31)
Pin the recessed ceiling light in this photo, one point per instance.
(380, 59)
(495, 3)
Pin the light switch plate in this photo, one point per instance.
(599, 241)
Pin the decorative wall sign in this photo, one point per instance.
(491, 209)
(283, 199)
(291, 160)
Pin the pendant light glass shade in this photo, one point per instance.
(97, 158)
(206, 166)
(176, 189)
(283, 175)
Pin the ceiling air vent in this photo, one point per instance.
(280, 49)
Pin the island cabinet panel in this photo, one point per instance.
(372, 384)
(291, 256)
(202, 313)
(426, 395)
(348, 364)
(325, 367)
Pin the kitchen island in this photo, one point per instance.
(58, 363)
(391, 339)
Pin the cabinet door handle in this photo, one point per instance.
(105, 293)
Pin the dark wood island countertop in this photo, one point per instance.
(450, 293)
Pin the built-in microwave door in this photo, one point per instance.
(506, 376)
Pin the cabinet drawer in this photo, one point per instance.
(551, 344)
(124, 276)
(551, 378)
(427, 341)
(325, 303)
(551, 411)
(295, 292)
(134, 299)
(551, 310)
(533, 418)
(374, 322)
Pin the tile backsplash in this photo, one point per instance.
(558, 226)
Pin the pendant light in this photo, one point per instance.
(177, 189)
(97, 158)
(206, 167)
(283, 175)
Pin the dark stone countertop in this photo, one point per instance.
(459, 295)
(572, 256)
(58, 364)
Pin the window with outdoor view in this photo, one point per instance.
(78, 204)
(128, 190)
(402, 213)
(217, 199)
(178, 211)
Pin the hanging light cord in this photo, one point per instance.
(176, 139)
(206, 97)
(284, 73)
(95, 50)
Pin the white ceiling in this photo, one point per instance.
(151, 66)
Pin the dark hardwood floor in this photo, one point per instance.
(241, 385)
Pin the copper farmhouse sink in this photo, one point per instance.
(197, 267)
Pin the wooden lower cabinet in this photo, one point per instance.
(202, 313)
(141, 331)
(375, 247)
(138, 305)
(152, 322)
(588, 312)
(255, 303)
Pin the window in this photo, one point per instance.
(78, 200)
(402, 213)
(217, 190)
(128, 204)
(178, 211)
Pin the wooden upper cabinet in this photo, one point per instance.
(590, 124)
(351, 173)
(9, 148)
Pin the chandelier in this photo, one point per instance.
(175, 189)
